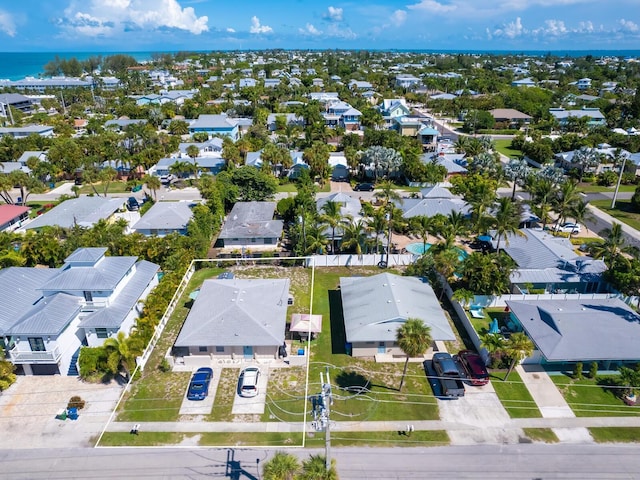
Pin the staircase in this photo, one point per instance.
(73, 366)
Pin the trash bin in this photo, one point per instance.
(301, 351)
(62, 415)
(72, 413)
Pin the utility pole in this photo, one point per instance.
(321, 411)
(615, 194)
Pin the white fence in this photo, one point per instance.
(360, 261)
(501, 300)
(144, 358)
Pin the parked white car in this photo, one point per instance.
(571, 228)
(249, 382)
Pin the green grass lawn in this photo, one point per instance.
(545, 435)
(622, 212)
(287, 187)
(592, 188)
(592, 398)
(514, 395)
(504, 147)
(114, 187)
(615, 434)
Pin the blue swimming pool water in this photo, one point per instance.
(420, 248)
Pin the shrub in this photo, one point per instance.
(593, 370)
(164, 365)
(92, 360)
(577, 370)
(76, 402)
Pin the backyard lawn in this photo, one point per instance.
(504, 147)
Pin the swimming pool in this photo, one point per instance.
(420, 248)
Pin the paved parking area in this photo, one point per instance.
(254, 405)
(201, 407)
(28, 409)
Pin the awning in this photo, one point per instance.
(303, 322)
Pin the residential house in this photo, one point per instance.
(435, 200)
(318, 82)
(605, 155)
(339, 167)
(42, 84)
(247, 82)
(14, 100)
(393, 108)
(219, 124)
(350, 208)
(250, 225)
(83, 211)
(164, 218)
(550, 264)
(565, 332)
(39, 154)
(524, 82)
(271, 82)
(12, 216)
(455, 163)
(360, 85)
(210, 148)
(375, 307)
(289, 119)
(120, 124)
(49, 313)
(443, 96)
(324, 97)
(510, 118)
(234, 319)
(407, 81)
(23, 132)
(209, 164)
(428, 138)
(594, 116)
(582, 84)
(167, 96)
(408, 126)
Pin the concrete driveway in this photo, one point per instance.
(28, 409)
(201, 407)
(481, 411)
(252, 405)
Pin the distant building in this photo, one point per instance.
(164, 218)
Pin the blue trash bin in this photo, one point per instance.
(72, 413)
(301, 351)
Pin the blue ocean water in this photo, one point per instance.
(17, 65)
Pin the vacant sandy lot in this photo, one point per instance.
(29, 407)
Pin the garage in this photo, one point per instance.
(45, 369)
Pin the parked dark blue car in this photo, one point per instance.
(199, 385)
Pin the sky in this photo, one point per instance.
(170, 25)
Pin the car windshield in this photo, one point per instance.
(197, 386)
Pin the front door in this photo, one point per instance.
(381, 348)
(247, 352)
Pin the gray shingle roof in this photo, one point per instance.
(252, 220)
(19, 292)
(237, 312)
(49, 316)
(580, 330)
(165, 216)
(83, 211)
(113, 315)
(104, 276)
(374, 307)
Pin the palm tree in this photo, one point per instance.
(613, 246)
(332, 217)
(377, 224)
(354, 236)
(387, 193)
(383, 159)
(493, 344)
(414, 338)
(585, 158)
(580, 213)
(153, 183)
(316, 241)
(282, 466)
(463, 296)
(315, 468)
(122, 352)
(506, 220)
(517, 348)
(422, 226)
(517, 170)
(565, 199)
(193, 152)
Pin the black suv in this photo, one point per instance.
(364, 187)
(132, 204)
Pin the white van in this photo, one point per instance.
(249, 382)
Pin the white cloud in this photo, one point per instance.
(555, 28)
(398, 17)
(337, 31)
(111, 17)
(475, 8)
(257, 28)
(231, 30)
(310, 30)
(7, 25)
(629, 26)
(334, 14)
(433, 6)
(511, 30)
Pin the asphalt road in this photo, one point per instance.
(525, 461)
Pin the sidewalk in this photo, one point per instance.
(604, 216)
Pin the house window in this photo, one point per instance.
(253, 240)
(268, 241)
(37, 344)
(102, 333)
(219, 349)
(202, 349)
(88, 296)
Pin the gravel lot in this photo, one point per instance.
(29, 407)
